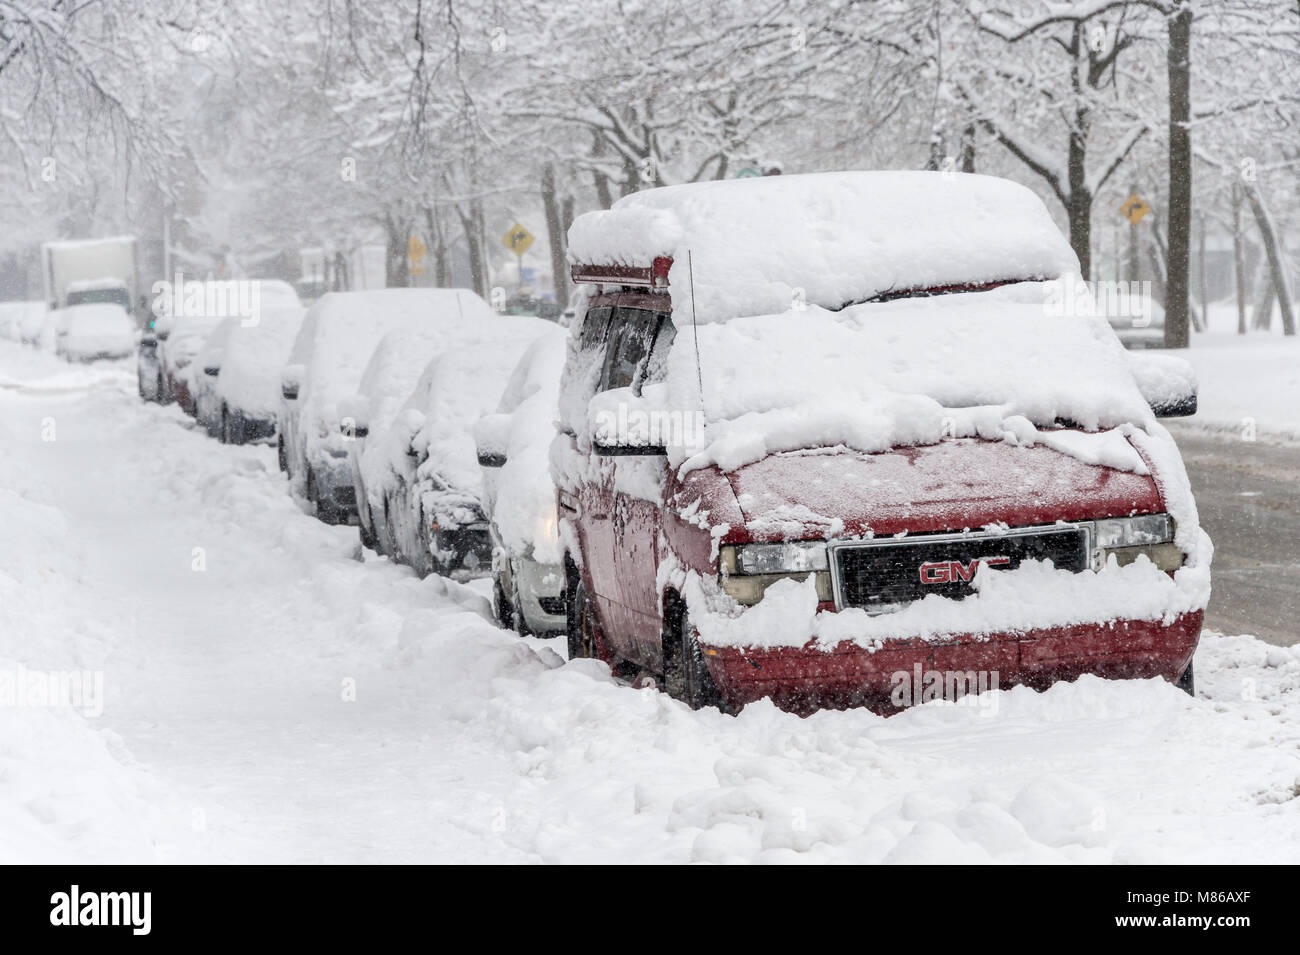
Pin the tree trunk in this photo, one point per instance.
(1273, 250)
(604, 195)
(1079, 208)
(966, 162)
(1134, 246)
(1159, 258)
(1178, 257)
(555, 235)
(469, 223)
(1264, 305)
(1204, 322)
(1238, 263)
(437, 245)
(397, 267)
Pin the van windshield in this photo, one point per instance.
(95, 296)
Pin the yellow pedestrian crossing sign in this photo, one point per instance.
(1134, 208)
(517, 239)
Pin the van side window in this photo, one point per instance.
(630, 332)
(594, 325)
(655, 366)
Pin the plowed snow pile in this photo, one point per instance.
(268, 697)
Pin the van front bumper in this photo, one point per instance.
(803, 679)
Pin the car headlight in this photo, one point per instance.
(790, 557)
(1127, 538)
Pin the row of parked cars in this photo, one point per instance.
(81, 332)
(804, 434)
(371, 399)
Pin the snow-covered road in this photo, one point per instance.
(268, 696)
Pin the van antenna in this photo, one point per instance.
(695, 328)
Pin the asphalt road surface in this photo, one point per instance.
(1248, 494)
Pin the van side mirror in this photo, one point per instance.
(621, 423)
(1167, 383)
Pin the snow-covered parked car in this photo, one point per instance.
(21, 321)
(394, 369)
(1138, 320)
(425, 465)
(179, 338)
(513, 448)
(330, 352)
(203, 381)
(239, 391)
(185, 318)
(93, 332)
(824, 440)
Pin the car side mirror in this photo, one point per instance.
(491, 437)
(290, 381)
(354, 417)
(1166, 382)
(413, 421)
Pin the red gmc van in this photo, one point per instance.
(819, 432)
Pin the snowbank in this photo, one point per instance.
(827, 239)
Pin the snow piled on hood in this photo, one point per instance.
(758, 244)
(883, 375)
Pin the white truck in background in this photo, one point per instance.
(82, 271)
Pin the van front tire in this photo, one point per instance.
(686, 674)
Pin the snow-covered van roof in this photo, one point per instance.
(96, 285)
(756, 245)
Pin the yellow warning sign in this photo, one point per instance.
(517, 239)
(1134, 209)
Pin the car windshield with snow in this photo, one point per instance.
(820, 430)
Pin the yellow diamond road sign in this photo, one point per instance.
(415, 251)
(517, 239)
(1134, 208)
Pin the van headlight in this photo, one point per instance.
(749, 569)
(1151, 535)
(789, 557)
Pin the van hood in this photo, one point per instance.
(949, 486)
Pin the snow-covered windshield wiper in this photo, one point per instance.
(890, 295)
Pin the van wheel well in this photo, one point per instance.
(674, 606)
